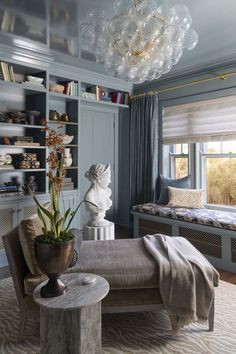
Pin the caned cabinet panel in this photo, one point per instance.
(8, 219)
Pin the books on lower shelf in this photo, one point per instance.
(7, 190)
(7, 72)
(67, 183)
(7, 167)
(23, 143)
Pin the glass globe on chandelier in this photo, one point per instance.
(142, 41)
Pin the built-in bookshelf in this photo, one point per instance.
(28, 96)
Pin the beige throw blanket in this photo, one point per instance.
(186, 279)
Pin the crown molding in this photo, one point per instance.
(34, 54)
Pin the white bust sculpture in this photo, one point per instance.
(99, 194)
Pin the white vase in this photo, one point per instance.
(67, 158)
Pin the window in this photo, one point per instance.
(215, 172)
(200, 137)
(218, 160)
(179, 161)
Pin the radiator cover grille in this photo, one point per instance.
(233, 250)
(147, 227)
(207, 243)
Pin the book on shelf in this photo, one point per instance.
(7, 72)
(7, 167)
(8, 22)
(71, 88)
(96, 90)
(67, 186)
(66, 180)
(11, 188)
(120, 97)
(25, 143)
(67, 183)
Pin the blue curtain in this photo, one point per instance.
(143, 149)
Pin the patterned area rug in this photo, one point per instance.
(133, 333)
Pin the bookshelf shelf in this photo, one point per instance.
(63, 96)
(26, 126)
(104, 103)
(15, 87)
(71, 168)
(22, 147)
(59, 122)
(9, 170)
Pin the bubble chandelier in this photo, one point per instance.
(142, 41)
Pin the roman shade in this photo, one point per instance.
(209, 120)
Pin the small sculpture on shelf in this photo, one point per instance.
(54, 115)
(5, 159)
(99, 194)
(33, 117)
(30, 184)
(67, 158)
(65, 117)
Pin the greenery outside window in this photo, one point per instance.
(179, 160)
(218, 161)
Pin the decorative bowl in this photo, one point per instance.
(35, 79)
(56, 88)
(67, 139)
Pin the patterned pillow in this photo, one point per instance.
(165, 182)
(186, 198)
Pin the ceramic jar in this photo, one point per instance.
(67, 158)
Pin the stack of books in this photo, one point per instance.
(120, 97)
(7, 190)
(7, 72)
(67, 183)
(6, 167)
(24, 141)
(71, 88)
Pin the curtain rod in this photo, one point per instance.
(195, 82)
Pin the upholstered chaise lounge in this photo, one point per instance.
(126, 264)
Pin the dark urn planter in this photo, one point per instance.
(53, 259)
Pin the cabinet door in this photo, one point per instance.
(97, 144)
(8, 217)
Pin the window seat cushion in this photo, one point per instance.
(215, 218)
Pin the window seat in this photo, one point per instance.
(216, 218)
(212, 232)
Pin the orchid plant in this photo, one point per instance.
(56, 226)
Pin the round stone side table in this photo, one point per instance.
(71, 323)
